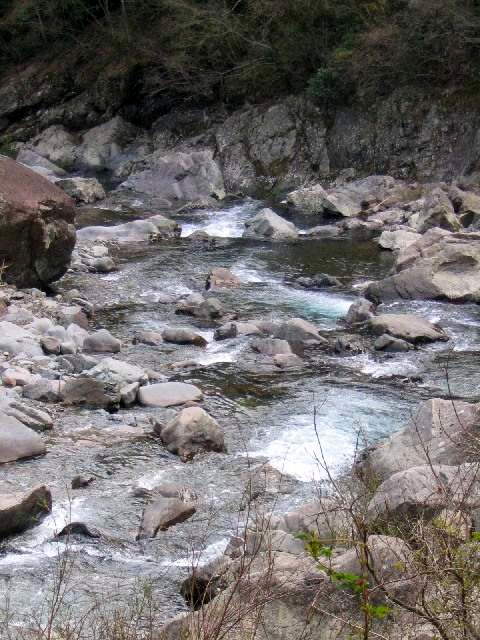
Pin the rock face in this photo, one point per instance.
(191, 432)
(18, 441)
(259, 145)
(163, 514)
(441, 432)
(267, 225)
(22, 511)
(407, 327)
(178, 177)
(439, 266)
(37, 235)
(168, 394)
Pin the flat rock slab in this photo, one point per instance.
(18, 441)
(163, 514)
(168, 394)
(407, 327)
(20, 511)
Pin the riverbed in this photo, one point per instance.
(266, 417)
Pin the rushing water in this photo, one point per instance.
(265, 417)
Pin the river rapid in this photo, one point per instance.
(266, 417)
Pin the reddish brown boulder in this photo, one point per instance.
(37, 234)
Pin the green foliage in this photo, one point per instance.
(230, 50)
(314, 546)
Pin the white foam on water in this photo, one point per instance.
(225, 223)
(218, 352)
(399, 365)
(201, 557)
(293, 447)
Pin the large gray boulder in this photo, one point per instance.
(101, 341)
(425, 491)
(180, 335)
(398, 239)
(106, 146)
(84, 190)
(37, 234)
(467, 206)
(18, 441)
(267, 225)
(136, 231)
(191, 432)
(323, 517)
(20, 511)
(168, 394)
(163, 514)
(438, 211)
(407, 327)
(439, 266)
(57, 145)
(439, 432)
(16, 340)
(297, 331)
(179, 177)
(359, 312)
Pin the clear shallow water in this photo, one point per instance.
(265, 418)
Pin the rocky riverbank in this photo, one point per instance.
(160, 399)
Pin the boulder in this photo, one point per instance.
(18, 441)
(439, 266)
(220, 278)
(392, 564)
(179, 335)
(168, 394)
(389, 344)
(35, 161)
(437, 212)
(308, 200)
(84, 190)
(359, 312)
(89, 392)
(235, 329)
(21, 511)
(37, 234)
(163, 514)
(190, 432)
(271, 346)
(150, 338)
(467, 206)
(349, 345)
(101, 341)
(319, 281)
(424, 492)
(106, 145)
(297, 331)
(57, 145)
(179, 177)
(43, 390)
(116, 373)
(440, 432)
(31, 417)
(81, 482)
(267, 225)
(324, 517)
(407, 327)
(79, 529)
(152, 228)
(396, 240)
